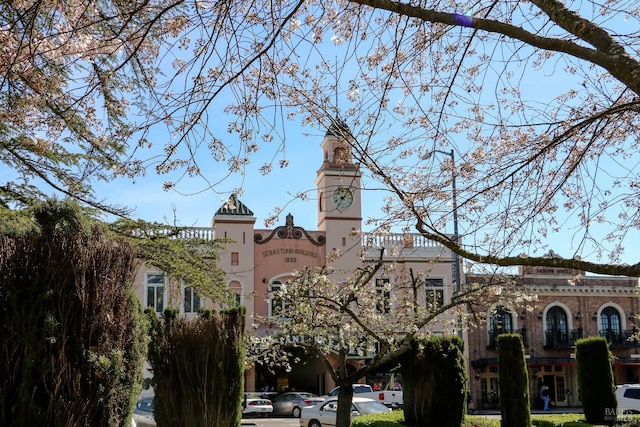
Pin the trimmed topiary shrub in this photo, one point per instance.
(434, 382)
(198, 368)
(513, 382)
(410, 365)
(73, 335)
(595, 380)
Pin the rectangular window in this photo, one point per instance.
(155, 292)
(235, 258)
(192, 302)
(383, 295)
(434, 292)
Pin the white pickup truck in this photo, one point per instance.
(390, 398)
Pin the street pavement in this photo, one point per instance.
(270, 422)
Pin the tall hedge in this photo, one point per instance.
(72, 340)
(434, 382)
(595, 380)
(198, 368)
(513, 382)
(411, 364)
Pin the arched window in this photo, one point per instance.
(557, 327)
(610, 324)
(500, 322)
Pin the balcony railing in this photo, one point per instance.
(495, 333)
(621, 339)
(561, 338)
(205, 233)
(403, 245)
(406, 240)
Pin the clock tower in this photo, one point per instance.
(339, 199)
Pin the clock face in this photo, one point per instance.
(342, 198)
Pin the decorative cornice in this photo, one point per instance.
(289, 231)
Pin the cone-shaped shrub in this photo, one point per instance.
(595, 380)
(198, 368)
(513, 382)
(434, 380)
(72, 340)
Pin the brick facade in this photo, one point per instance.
(568, 305)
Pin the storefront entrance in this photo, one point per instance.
(554, 377)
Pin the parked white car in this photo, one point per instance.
(390, 398)
(324, 413)
(254, 404)
(628, 396)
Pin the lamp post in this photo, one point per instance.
(456, 259)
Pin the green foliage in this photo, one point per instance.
(513, 382)
(198, 367)
(388, 419)
(471, 421)
(74, 338)
(395, 419)
(595, 380)
(410, 368)
(13, 223)
(434, 377)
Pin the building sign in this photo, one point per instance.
(290, 251)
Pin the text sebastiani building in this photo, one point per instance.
(261, 260)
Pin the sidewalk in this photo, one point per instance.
(536, 411)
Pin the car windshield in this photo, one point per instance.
(372, 407)
(253, 396)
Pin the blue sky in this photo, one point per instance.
(262, 194)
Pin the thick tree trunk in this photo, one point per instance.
(345, 398)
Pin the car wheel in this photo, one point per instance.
(314, 423)
(296, 412)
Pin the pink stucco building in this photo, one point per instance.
(260, 260)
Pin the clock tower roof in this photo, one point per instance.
(338, 128)
(337, 152)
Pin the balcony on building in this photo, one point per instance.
(561, 338)
(621, 339)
